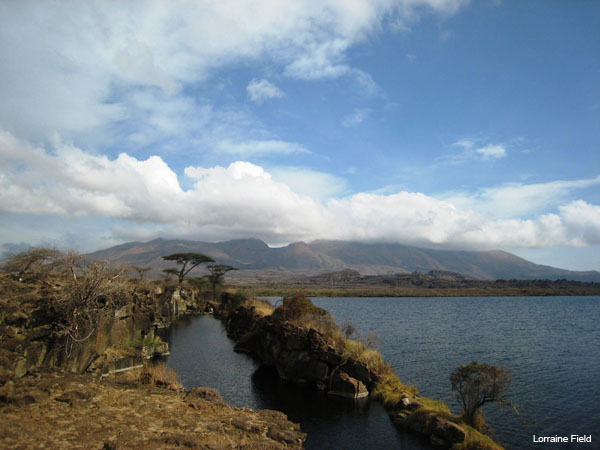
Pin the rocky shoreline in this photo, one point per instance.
(305, 356)
(54, 396)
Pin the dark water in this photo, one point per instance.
(550, 344)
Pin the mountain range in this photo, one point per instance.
(258, 260)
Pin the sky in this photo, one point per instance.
(448, 124)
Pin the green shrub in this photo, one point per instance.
(295, 306)
(391, 390)
(230, 301)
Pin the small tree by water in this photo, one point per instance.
(217, 273)
(475, 385)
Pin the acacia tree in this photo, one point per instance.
(141, 271)
(36, 260)
(475, 385)
(217, 272)
(188, 261)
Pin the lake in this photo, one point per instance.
(550, 344)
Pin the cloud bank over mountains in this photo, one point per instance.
(243, 199)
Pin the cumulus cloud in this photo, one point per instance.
(243, 199)
(259, 90)
(317, 185)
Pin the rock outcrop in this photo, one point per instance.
(299, 354)
(305, 356)
(30, 335)
(58, 410)
(412, 415)
(50, 399)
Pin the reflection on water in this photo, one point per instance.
(203, 355)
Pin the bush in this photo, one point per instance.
(230, 301)
(261, 307)
(368, 356)
(300, 311)
(295, 306)
(475, 385)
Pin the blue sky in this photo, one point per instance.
(441, 123)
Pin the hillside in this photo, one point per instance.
(261, 261)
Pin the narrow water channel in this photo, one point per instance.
(203, 355)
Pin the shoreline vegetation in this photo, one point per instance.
(349, 283)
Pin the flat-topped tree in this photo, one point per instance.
(141, 271)
(217, 272)
(34, 261)
(188, 261)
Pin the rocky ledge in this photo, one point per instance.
(299, 354)
(304, 355)
(59, 410)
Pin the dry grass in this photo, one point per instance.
(437, 406)
(261, 307)
(369, 356)
(157, 375)
(324, 324)
(391, 390)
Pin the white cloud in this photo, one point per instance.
(491, 152)
(243, 199)
(65, 65)
(251, 148)
(315, 184)
(366, 85)
(470, 150)
(259, 90)
(358, 116)
(464, 143)
(517, 199)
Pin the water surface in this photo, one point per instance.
(550, 344)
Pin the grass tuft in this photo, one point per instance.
(156, 375)
(391, 390)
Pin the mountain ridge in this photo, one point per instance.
(322, 256)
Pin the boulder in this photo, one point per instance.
(449, 431)
(343, 385)
(203, 394)
(357, 370)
